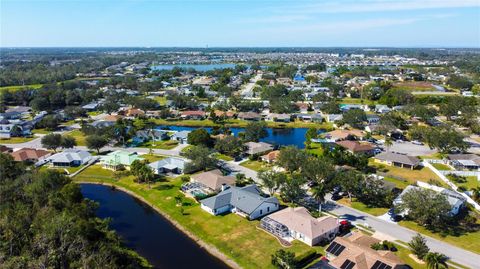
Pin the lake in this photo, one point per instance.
(148, 232)
(276, 136)
(197, 67)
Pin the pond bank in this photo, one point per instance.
(209, 248)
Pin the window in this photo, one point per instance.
(268, 209)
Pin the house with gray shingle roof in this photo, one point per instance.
(246, 201)
(397, 159)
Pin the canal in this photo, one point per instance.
(148, 232)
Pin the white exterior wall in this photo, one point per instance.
(262, 210)
(218, 210)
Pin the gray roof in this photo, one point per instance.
(181, 134)
(258, 147)
(247, 199)
(169, 163)
(70, 155)
(398, 158)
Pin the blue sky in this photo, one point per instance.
(250, 23)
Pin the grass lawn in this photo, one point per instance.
(414, 86)
(411, 176)
(162, 100)
(401, 184)
(94, 113)
(15, 140)
(16, 88)
(40, 131)
(79, 137)
(403, 254)
(471, 182)
(468, 241)
(255, 165)
(223, 157)
(152, 157)
(61, 169)
(376, 211)
(233, 235)
(315, 149)
(441, 166)
(166, 144)
(356, 101)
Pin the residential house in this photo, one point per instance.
(271, 157)
(382, 109)
(339, 135)
(102, 123)
(169, 165)
(134, 113)
(10, 129)
(213, 180)
(143, 136)
(398, 159)
(119, 159)
(247, 201)
(193, 115)
(303, 107)
(333, 117)
(181, 137)
(355, 252)
(91, 106)
(297, 223)
(224, 114)
(278, 117)
(464, 161)
(373, 119)
(30, 155)
(356, 147)
(24, 110)
(456, 201)
(249, 116)
(257, 148)
(69, 158)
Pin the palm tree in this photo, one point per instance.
(318, 192)
(476, 194)
(436, 260)
(388, 142)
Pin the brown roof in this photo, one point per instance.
(135, 112)
(358, 250)
(29, 154)
(271, 156)
(300, 220)
(112, 117)
(213, 179)
(193, 113)
(4, 149)
(228, 114)
(355, 146)
(343, 134)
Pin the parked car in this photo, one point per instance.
(416, 142)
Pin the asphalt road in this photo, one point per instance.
(456, 254)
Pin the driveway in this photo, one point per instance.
(411, 149)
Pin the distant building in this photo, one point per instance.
(256, 148)
(398, 159)
(181, 137)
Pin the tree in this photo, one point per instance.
(284, 259)
(418, 245)
(436, 260)
(68, 142)
(318, 193)
(425, 206)
(52, 141)
(96, 142)
(292, 189)
(311, 133)
(200, 137)
(271, 180)
(200, 159)
(142, 171)
(49, 122)
(355, 118)
(230, 145)
(446, 139)
(254, 131)
(291, 158)
(388, 142)
(350, 181)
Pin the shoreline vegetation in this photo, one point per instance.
(208, 247)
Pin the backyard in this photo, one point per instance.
(404, 174)
(231, 234)
(15, 140)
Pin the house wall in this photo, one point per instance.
(263, 209)
(218, 211)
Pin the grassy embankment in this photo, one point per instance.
(236, 237)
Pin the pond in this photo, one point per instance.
(197, 67)
(276, 136)
(148, 232)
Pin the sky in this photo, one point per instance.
(240, 23)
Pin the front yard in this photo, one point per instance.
(15, 140)
(165, 144)
(255, 165)
(375, 211)
(411, 176)
(79, 137)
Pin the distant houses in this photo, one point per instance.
(247, 201)
(397, 159)
(257, 148)
(30, 155)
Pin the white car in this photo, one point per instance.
(416, 142)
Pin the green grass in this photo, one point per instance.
(15, 140)
(70, 170)
(236, 237)
(403, 254)
(356, 101)
(423, 174)
(40, 131)
(152, 157)
(18, 87)
(223, 157)
(375, 211)
(162, 100)
(472, 182)
(468, 241)
(94, 113)
(166, 144)
(441, 166)
(401, 184)
(79, 137)
(255, 165)
(315, 149)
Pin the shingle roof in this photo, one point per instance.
(398, 158)
(213, 179)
